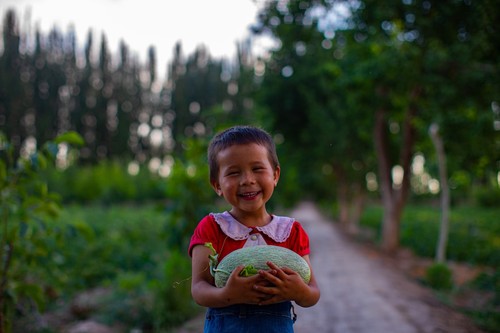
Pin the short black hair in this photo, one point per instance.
(239, 135)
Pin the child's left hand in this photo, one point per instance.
(286, 285)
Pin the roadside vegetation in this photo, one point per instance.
(474, 244)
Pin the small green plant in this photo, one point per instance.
(488, 316)
(439, 276)
(25, 204)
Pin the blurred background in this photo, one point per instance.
(385, 113)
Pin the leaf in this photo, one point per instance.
(52, 209)
(84, 229)
(70, 137)
(33, 291)
(248, 271)
(42, 161)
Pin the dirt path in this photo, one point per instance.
(360, 292)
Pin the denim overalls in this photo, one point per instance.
(246, 318)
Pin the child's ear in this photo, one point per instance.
(216, 187)
(277, 173)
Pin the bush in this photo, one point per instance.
(130, 302)
(487, 315)
(487, 196)
(173, 303)
(439, 276)
(107, 182)
(473, 234)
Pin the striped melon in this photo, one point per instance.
(254, 258)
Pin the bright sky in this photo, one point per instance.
(217, 24)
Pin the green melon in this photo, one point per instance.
(254, 258)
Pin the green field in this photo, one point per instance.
(119, 253)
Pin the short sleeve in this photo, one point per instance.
(205, 231)
(299, 240)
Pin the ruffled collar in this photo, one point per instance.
(278, 229)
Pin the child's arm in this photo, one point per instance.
(288, 285)
(238, 290)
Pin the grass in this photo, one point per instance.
(107, 241)
(474, 235)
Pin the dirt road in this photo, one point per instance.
(362, 293)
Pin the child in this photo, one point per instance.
(244, 170)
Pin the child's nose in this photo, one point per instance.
(247, 178)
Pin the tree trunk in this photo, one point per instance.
(342, 197)
(393, 199)
(390, 228)
(357, 206)
(445, 193)
(391, 225)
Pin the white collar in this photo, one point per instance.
(278, 229)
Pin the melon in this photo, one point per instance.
(254, 258)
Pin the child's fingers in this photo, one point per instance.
(288, 271)
(271, 276)
(238, 270)
(282, 272)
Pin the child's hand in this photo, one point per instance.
(241, 289)
(286, 285)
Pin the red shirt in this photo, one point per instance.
(227, 234)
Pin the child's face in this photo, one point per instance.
(246, 178)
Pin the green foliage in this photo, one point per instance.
(490, 281)
(130, 250)
(473, 234)
(27, 209)
(109, 241)
(486, 286)
(122, 248)
(289, 190)
(439, 276)
(189, 194)
(173, 301)
(106, 182)
(487, 196)
(130, 301)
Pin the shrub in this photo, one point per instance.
(130, 302)
(173, 303)
(27, 208)
(107, 182)
(487, 196)
(439, 276)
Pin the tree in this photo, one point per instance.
(429, 71)
(12, 94)
(392, 74)
(195, 86)
(305, 93)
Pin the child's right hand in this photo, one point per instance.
(241, 289)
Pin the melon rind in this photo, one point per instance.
(258, 256)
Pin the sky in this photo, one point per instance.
(217, 24)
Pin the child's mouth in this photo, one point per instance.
(249, 195)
